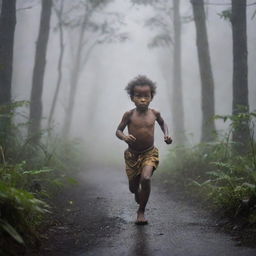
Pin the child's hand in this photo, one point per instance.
(129, 139)
(167, 139)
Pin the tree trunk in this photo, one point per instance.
(241, 132)
(177, 100)
(71, 101)
(56, 93)
(38, 72)
(74, 80)
(7, 29)
(207, 84)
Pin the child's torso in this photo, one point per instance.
(141, 126)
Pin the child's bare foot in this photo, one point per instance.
(141, 219)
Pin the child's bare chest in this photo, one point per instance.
(142, 120)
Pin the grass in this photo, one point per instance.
(217, 175)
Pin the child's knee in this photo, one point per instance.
(145, 181)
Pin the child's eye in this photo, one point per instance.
(141, 96)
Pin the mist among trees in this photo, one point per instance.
(63, 69)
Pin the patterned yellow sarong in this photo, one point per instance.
(136, 161)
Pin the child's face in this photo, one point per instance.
(142, 97)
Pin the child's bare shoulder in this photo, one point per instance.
(155, 112)
(128, 114)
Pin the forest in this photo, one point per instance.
(64, 66)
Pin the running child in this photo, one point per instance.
(141, 156)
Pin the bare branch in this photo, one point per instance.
(161, 40)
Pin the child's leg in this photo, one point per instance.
(134, 187)
(145, 191)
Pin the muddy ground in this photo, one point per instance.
(97, 217)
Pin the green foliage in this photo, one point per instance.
(242, 126)
(230, 184)
(29, 175)
(20, 212)
(243, 116)
(226, 14)
(215, 173)
(11, 231)
(9, 109)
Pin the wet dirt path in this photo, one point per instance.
(99, 220)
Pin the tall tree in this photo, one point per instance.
(91, 33)
(241, 132)
(58, 7)
(75, 72)
(7, 29)
(207, 83)
(39, 70)
(177, 99)
(168, 17)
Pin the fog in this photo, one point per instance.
(101, 99)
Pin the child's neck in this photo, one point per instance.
(142, 110)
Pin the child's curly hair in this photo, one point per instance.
(140, 81)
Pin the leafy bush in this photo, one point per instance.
(217, 173)
(29, 174)
(20, 211)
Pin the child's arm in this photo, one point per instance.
(164, 127)
(119, 132)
